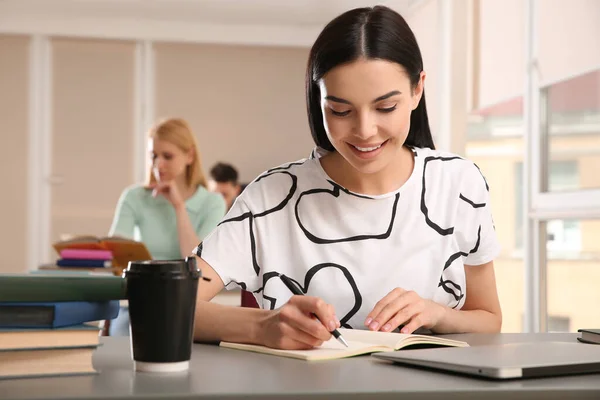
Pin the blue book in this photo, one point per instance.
(69, 262)
(55, 314)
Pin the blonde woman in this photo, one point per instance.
(173, 211)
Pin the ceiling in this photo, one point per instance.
(235, 12)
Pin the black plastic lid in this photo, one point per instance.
(173, 269)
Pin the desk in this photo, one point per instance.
(218, 373)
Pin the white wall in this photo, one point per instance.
(245, 103)
(92, 127)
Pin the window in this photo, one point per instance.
(495, 144)
(572, 282)
(563, 237)
(572, 129)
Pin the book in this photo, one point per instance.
(85, 254)
(46, 362)
(591, 336)
(123, 250)
(53, 268)
(360, 342)
(52, 286)
(29, 339)
(80, 263)
(55, 314)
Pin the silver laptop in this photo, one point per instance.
(505, 361)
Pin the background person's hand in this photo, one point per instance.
(401, 307)
(169, 190)
(294, 327)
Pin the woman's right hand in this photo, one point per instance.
(294, 327)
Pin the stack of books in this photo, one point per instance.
(84, 258)
(110, 254)
(48, 323)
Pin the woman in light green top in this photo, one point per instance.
(173, 212)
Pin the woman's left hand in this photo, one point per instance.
(401, 307)
(169, 190)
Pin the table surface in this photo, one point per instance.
(232, 374)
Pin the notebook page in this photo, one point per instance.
(388, 339)
(333, 349)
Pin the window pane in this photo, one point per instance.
(495, 144)
(573, 131)
(573, 252)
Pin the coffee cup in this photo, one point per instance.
(162, 302)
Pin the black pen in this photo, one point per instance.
(295, 290)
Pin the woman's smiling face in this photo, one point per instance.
(366, 107)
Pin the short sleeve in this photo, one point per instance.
(476, 232)
(230, 249)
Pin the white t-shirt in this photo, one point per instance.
(352, 249)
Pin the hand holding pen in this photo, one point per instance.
(330, 325)
(293, 325)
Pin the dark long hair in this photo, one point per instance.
(372, 33)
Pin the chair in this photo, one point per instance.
(248, 300)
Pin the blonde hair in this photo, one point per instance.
(178, 132)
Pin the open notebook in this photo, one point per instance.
(359, 341)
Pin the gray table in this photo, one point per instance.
(218, 373)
